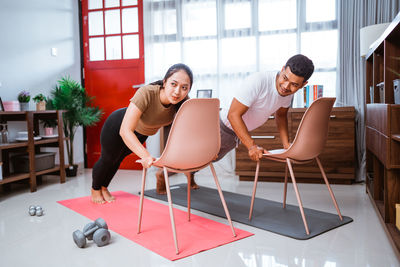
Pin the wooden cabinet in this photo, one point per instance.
(383, 128)
(32, 146)
(338, 158)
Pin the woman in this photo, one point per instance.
(126, 129)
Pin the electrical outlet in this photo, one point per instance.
(54, 51)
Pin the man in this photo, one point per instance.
(247, 108)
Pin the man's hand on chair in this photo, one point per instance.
(256, 152)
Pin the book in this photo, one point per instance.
(312, 93)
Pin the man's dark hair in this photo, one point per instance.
(301, 65)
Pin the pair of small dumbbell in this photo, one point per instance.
(35, 210)
(96, 231)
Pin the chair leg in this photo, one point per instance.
(285, 186)
(228, 216)
(329, 187)
(171, 211)
(254, 189)
(297, 195)
(188, 193)
(141, 198)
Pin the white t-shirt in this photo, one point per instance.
(258, 92)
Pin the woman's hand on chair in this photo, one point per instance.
(147, 161)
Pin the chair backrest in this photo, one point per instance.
(312, 133)
(194, 139)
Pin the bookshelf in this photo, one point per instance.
(383, 128)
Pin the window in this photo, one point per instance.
(224, 41)
(113, 30)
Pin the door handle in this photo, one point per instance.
(138, 85)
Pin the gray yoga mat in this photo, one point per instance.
(268, 215)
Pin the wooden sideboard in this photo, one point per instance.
(32, 146)
(383, 128)
(338, 158)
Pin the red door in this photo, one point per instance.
(113, 62)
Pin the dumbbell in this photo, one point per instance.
(35, 210)
(97, 230)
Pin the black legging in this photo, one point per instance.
(113, 150)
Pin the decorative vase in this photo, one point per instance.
(41, 105)
(24, 106)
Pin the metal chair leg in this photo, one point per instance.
(254, 189)
(141, 198)
(298, 196)
(222, 199)
(329, 187)
(171, 210)
(285, 186)
(189, 184)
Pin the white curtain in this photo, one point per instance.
(354, 15)
(225, 41)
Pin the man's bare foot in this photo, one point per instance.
(160, 187)
(97, 197)
(107, 195)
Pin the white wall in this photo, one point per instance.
(29, 29)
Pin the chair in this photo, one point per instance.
(193, 143)
(308, 143)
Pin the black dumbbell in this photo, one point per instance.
(97, 230)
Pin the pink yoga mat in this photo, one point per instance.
(198, 235)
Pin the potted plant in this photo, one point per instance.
(40, 101)
(70, 96)
(49, 125)
(23, 98)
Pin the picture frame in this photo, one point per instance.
(1, 105)
(204, 93)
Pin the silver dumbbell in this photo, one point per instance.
(35, 210)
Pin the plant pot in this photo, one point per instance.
(48, 131)
(24, 106)
(71, 170)
(41, 105)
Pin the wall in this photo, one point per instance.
(29, 30)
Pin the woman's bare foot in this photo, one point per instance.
(160, 187)
(107, 195)
(97, 197)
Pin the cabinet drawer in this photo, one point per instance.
(341, 125)
(272, 141)
(268, 127)
(376, 143)
(377, 117)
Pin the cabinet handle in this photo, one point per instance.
(271, 117)
(263, 136)
(332, 116)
